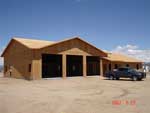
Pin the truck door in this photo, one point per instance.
(125, 73)
(120, 72)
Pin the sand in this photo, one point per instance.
(74, 95)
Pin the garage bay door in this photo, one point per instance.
(74, 65)
(93, 65)
(51, 65)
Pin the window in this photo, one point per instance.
(137, 66)
(121, 69)
(116, 66)
(29, 68)
(109, 67)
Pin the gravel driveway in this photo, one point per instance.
(74, 95)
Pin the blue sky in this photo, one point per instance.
(108, 24)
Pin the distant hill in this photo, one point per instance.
(147, 63)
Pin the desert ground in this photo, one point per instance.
(74, 95)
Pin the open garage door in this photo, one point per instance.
(74, 65)
(51, 65)
(93, 65)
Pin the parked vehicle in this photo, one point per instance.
(125, 72)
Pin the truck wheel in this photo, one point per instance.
(139, 79)
(111, 77)
(117, 78)
(134, 78)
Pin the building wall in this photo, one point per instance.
(65, 46)
(17, 60)
(73, 47)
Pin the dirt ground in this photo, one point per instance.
(74, 95)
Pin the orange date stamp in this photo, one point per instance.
(124, 102)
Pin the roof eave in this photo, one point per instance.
(11, 41)
(2, 55)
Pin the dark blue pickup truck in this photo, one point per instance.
(125, 72)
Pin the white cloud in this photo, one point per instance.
(133, 51)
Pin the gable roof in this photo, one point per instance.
(34, 44)
(39, 44)
(104, 54)
(116, 57)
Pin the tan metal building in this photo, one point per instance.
(36, 59)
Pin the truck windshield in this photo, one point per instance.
(132, 70)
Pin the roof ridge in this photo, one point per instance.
(21, 38)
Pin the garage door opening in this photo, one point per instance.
(51, 65)
(74, 65)
(93, 65)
